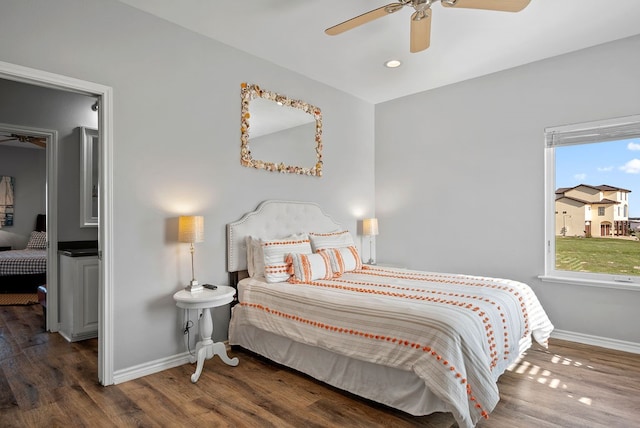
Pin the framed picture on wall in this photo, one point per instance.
(7, 185)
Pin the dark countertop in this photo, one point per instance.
(79, 252)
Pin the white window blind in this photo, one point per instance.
(593, 132)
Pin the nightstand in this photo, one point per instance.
(205, 300)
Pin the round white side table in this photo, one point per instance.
(205, 300)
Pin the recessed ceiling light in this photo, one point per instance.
(392, 63)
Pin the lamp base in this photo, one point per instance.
(194, 287)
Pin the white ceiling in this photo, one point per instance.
(465, 43)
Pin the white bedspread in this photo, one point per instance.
(458, 333)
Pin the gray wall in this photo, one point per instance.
(28, 167)
(44, 108)
(460, 176)
(177, 149)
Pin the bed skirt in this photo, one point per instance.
(22, 283)
(395, 388)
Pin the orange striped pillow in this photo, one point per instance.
(309, 267)
(255, 256)
(276, 268)
(343, 259)
(322, 241)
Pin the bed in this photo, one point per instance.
(420, 342)
(22, 271)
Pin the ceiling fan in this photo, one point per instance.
(421, 18)
(37, 141)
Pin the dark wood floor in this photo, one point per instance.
(47, 382)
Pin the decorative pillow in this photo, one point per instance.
(37, 241)
(308, 267)
(343, 259)
(255, 256)
(276, 268)
(340, 239)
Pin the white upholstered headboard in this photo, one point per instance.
(271, 220)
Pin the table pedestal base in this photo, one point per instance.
(207, 348)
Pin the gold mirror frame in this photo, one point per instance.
(249, 92)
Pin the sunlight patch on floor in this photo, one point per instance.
(546, 377)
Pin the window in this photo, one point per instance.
(588, 166)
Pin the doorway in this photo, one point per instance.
(50, 138)
(105, 239)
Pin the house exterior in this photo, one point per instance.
(587, 211)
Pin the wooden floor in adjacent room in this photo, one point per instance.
(47, 382)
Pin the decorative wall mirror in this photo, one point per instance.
(89, 173)
(279, 134)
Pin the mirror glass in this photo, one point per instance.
(280, 134)
(89, 177)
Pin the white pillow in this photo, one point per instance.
(276, 268)
(309, 267)
(344, 259)
(255, 256)
(340, 239)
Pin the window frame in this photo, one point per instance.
(579, 134)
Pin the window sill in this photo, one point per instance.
(590, 282)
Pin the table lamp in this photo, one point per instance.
(370, 229)
(191, 230)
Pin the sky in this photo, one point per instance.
(616, 163)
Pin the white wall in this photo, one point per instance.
(177, 149)
(27, 166)
(460, 176)
(45, 108)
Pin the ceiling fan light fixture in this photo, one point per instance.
(393, 63)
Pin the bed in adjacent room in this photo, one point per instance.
(22, 271)
(421, 342)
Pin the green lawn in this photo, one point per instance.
(604, 255)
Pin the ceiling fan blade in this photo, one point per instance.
(36, 141)
(420, 31)
(502, 5)
(40, 142)
(364, 18)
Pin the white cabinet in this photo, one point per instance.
(78, 288)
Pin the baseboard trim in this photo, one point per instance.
(151, 367)
(156, 366)
(603, 342)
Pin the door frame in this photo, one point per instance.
(105, 229)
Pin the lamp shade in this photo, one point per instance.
(370, 226)
(191, 228)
